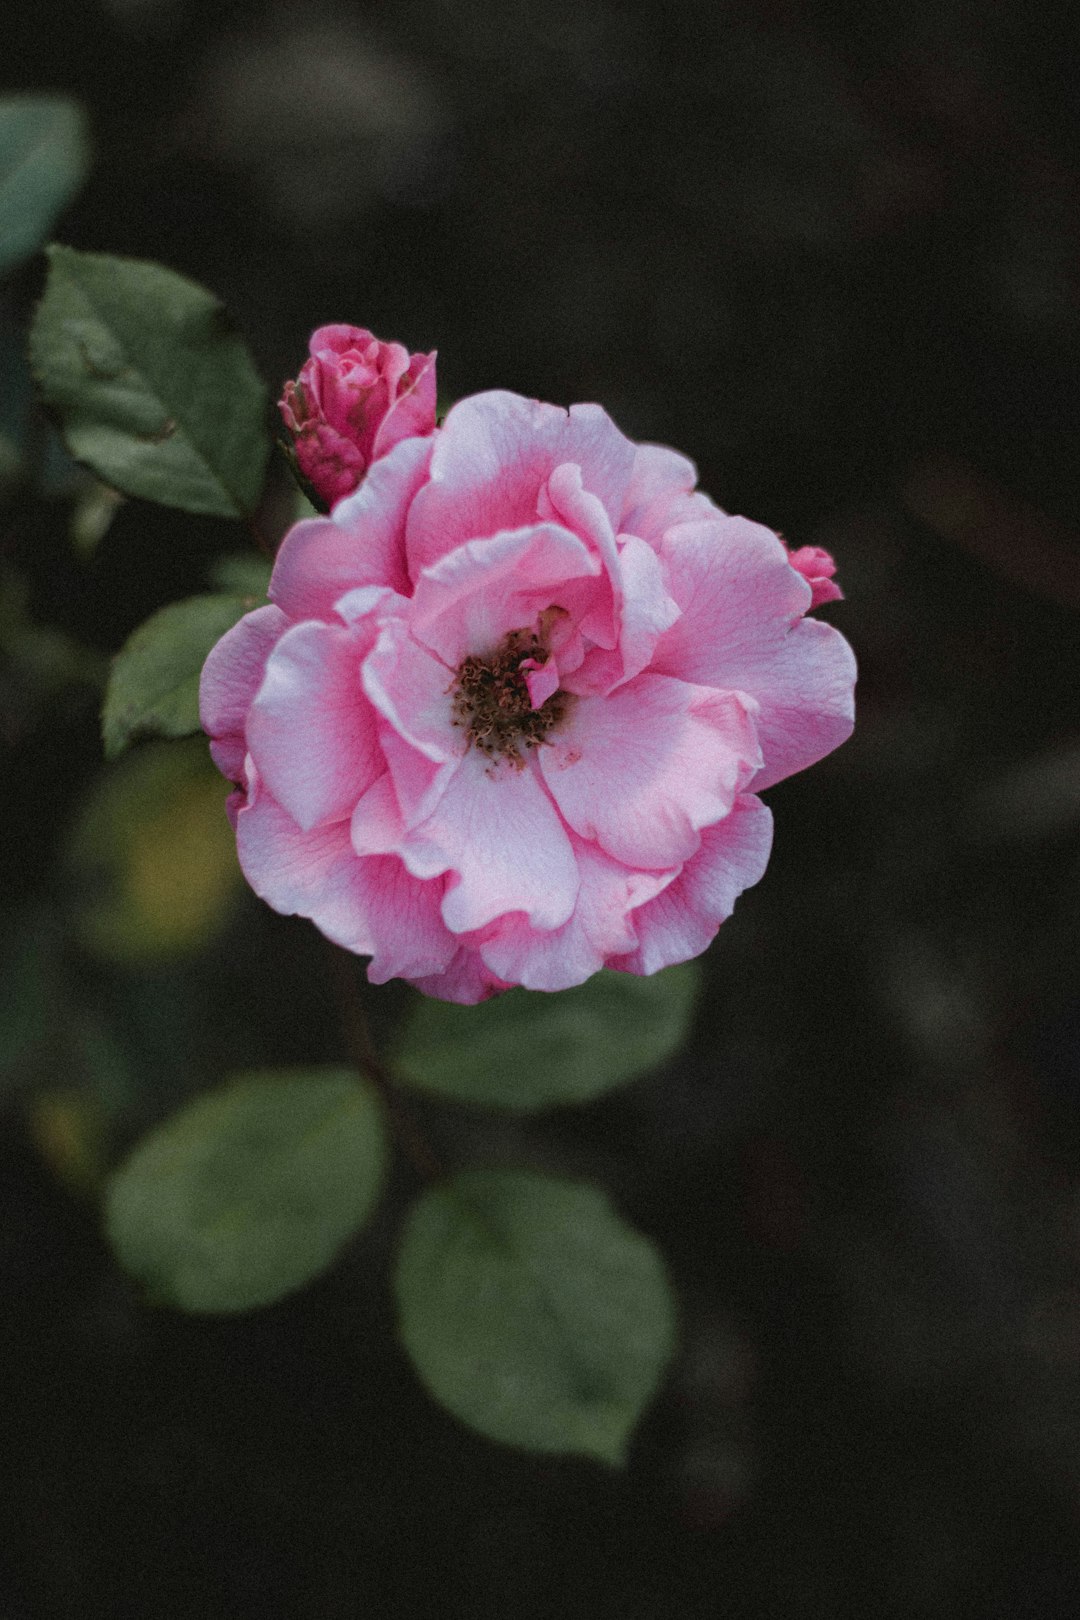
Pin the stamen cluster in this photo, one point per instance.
(492, 702)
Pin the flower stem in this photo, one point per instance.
(362, 1053)
(260, 537)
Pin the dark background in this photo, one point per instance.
(830, 251)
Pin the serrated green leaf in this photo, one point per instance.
(533, 1312)
(44, 156)
(151, 859)
(250, 1192)
(528, 1050)
(154, 389)
(153, 685)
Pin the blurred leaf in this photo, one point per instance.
(45, 658)
(303, 509)
(44, 155)
(155, 390)
(95, 507)
(251, 1191)
(527, 1050)
(153, 856)
(154, 682)
(533, 1312)
(242, 574)
(32, 448)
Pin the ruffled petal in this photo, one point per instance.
(411, 690)
(493, 456)
(681, 921)
(471, 598)
(230, 678)
(406, 922)
(362, 543)
(412, 407)
(307, 874)
(311, 729)
(466, 980)
(661, 492)
(601, 927)
(645, 611)
(498, 835)
(372, 907)
(741, 627)
(565, 499)
(376, 826)
(641, 771)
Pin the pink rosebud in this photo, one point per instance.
(508, 716)
(352, 402)
(817, 568)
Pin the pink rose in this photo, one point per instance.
(353, 401)
(508, 716)
(817, 568)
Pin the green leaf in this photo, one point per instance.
(91, 519)
(44, 156)
(155, 390)
(151, 858)
(251, 1191)
(243, 574)
(533, 1312)
(528, 1050)
(43, 659)
(154, 682)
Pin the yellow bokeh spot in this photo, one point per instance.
(68, 1131)
(153, 856)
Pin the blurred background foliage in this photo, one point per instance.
(831, 253)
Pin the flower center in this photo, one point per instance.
(492, 702)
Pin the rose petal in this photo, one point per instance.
(372, 907)
(642, 770)
(542, 680)
(660, 493)
(413, 411)
(601, 927)
(466, 980)
(493, 456)
(230, 678)
(497, 833)
(411, 690)
(406, 923)
(682, 920)
(741, 628)
(565, 499)
(311, 729)
(470, 599)
(645, 611)
(362, 543)
(307, 874)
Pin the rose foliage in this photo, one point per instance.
(507, 716)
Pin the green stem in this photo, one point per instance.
(363, 1054)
